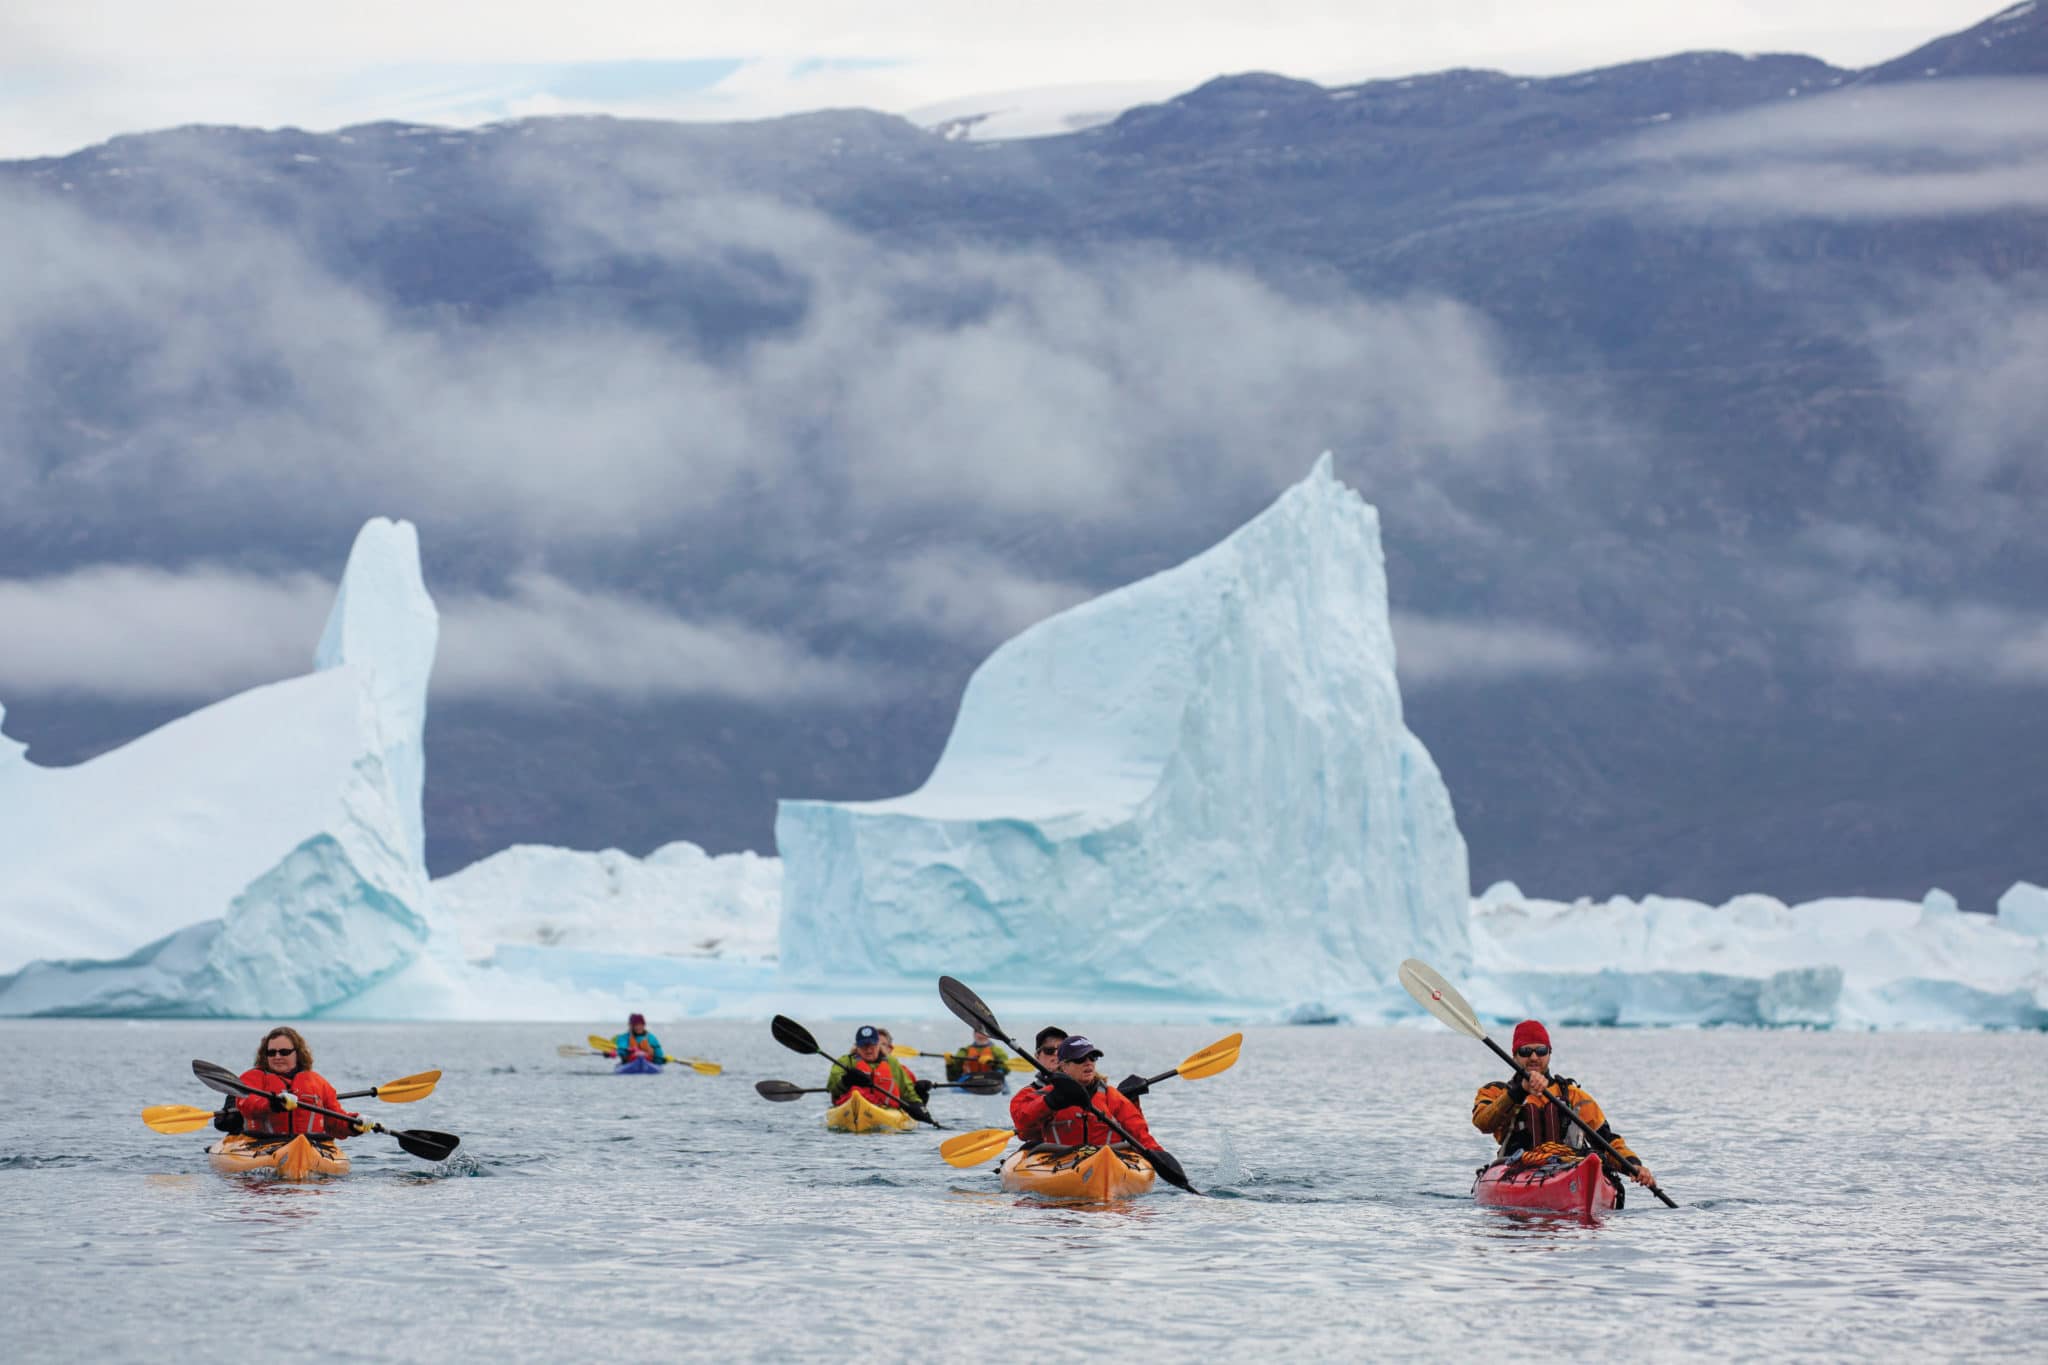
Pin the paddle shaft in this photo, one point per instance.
(1606, 1147)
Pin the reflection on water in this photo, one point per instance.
(688, 1217)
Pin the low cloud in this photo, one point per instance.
(1441, 649)
(1963, 640)
(956, 592)
(142, 634)
(546, 637)
(1885, 152)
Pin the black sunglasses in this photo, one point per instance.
(280, 1051)
(1532, 1052)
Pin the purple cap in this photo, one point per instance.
(866, 1035)
(1078, 1049)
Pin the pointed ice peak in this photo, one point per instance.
(384, 629)
(1323, 471)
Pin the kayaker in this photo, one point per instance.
(284, 1067)
(923, 1088)
(1522, 1114)
(637, 1042)
(1056, 1111)
(1046, 1047)
(978, 1057)
(878, 1076)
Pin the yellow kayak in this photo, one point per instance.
(1078, 1172)
(862, 1115)
(296, 1158)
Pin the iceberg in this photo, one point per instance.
(1840, 962)
(2023, 909)
(261, 856)
(1197, 788)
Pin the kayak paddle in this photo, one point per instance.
(421, 1142)
(968, 1008)
(1009, 1063)
(983, 1144)
(177, 1118)
(780, 1091)
(797, 1038)
(604, 1045)
(404, 1090)
(1441, 999)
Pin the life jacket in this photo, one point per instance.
(1076, 1127)
(1539, 1125)
(260, 1120)
(892, 1080)
(643, 1046)
(976, 1058)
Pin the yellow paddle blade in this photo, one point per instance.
(1212, 1060)
(176, 1118)
(602, 1044)
(571, 1050)
(406, 1089)
(971, 1149)
(700, 1066)
(1019, 1064)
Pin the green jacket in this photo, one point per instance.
(842, 1079)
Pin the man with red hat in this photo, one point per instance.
(1523, 1115)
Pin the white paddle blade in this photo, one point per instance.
(1440, 997)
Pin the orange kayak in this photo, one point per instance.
(859, 1114)
(1078, 1172)
(297, 1158)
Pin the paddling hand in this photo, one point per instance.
(1527, 1083)
(1641, 1174)
(1064, 1092)
(1134, 1086)
(924, 1091)
(286, 1101)
(920, 1113)
(228, 1121)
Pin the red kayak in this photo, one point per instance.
(1556, 1187)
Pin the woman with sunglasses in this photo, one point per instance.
(284, 1069)
(1522, 1114)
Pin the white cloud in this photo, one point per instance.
(955, 591)
(204, 632)
(1008, 382)
(547, 637)
(1441, 649)
(1960, 639)
(1891, 151)
(143, 634)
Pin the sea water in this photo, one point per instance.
(1842, 1195)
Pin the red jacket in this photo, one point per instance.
(260, 1120)
(1076, 1127)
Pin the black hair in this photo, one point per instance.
(1050, 1031)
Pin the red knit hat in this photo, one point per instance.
(1529, 1031)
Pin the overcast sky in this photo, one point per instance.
(74, 72)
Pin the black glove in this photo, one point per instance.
(918, 1112)
(924, 1091)
(1064, 1092)
(276, 1102)
(228, 1121)
(1134, 1086)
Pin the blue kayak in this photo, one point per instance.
(639, 1066)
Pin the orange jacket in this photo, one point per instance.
(260, 1120)
(1525, 1124)
(1075, 1126)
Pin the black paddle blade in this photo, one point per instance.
(427, 1144)
(981, 1083)
(794, 1036)
(219, 1078)
(1164, 1162)
(779, 1091)
(967, 1007)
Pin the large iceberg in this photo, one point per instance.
(1197, 788)
(262, 856)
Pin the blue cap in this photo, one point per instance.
(1078, 1049)
(865, 1035)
